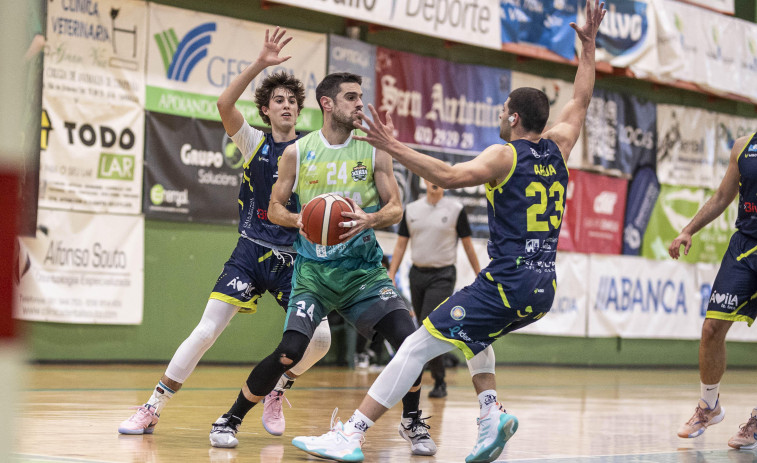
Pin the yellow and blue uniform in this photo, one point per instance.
(263, 258)
(734, 292)
(347, 276)
(518, 286)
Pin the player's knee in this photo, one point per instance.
(291, 348)
(205, 333)
(714, 330)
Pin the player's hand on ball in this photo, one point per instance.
(354, 222)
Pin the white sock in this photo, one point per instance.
(487, 400)
(357, 423)
(710, 393)
(285, 382)
(160, 396)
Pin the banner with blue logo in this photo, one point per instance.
(347, 55)
(545, 23)
(193, 56)
(632, 297)
(621, 133)
(642, 196)
(440, 105)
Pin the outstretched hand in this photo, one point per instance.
(378, 134)
(675, 247)
(594, 16)
(269, 55)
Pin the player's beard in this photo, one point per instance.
(343, 120)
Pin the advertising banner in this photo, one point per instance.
(96, 50)
(83, 268)
(440, 105)
(722, 6)
(192, 58)
(686, 146)
(559, 92)
(638, 34)
(474, 22)
(545, 23)
(567, 317)
(689, 22)
(642, 197)
(748, 62)
(192, 170)
(347, 55)
(621, 133)
(93, 159)
(631, 297)
(675, 208)
(729, 128)
(723, 52)
(594, 211)
(706, 274)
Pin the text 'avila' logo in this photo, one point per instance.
(179, 58)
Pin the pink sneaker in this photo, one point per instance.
(703, 417)
(273, 415)
(143, 421)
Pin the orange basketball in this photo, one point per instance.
(321, 217)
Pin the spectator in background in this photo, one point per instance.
(434, 223)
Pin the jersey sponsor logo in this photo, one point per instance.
(532, 246)
(752, 147)
(724, 300)
(535, 153)
(310, 156)
(545, 171)
(387, 293)
(359, 172)
(457, 313)
(457, 331)
(241, 286)
(750, 207)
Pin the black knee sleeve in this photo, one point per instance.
(264, 376)
(395, 327)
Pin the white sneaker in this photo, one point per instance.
(494, 430)
(223, 432)
(334, 445)
(415, 430)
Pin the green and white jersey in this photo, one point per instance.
(346, 170)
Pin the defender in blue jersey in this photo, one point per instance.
(525, 180)
(733, 293)
(262, 259)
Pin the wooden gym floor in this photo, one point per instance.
(71, 414)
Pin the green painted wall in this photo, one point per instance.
(183, 260)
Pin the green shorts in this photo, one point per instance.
(362, 295)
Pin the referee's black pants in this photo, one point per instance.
(429, 286)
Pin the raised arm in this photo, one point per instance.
(726, 192)
(269, 56)
(568, 127)
(492, 164)
(282, 191)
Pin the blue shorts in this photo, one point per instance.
(252, 270)
(475, 316)
(735, 287)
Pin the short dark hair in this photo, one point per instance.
(329, 86)
(532, 106)
(278, 80)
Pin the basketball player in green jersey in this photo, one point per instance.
(346, 277)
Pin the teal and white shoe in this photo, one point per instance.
(334, 445)
(494, 430)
